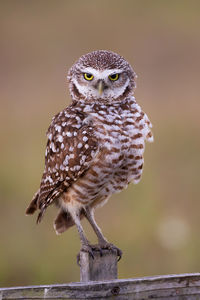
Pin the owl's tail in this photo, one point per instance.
(33, 205)
(64, 221)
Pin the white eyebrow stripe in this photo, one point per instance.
(101, 74)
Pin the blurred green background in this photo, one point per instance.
(155, 223)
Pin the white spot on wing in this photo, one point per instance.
(85, 138)
(60, 138)
(58, 128)
(69, 134)
(50, 136)
(52, 146)
(66, 161)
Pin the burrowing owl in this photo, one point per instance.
(95, 146)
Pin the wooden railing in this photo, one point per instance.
(103, 269)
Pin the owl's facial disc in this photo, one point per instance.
(101, 84)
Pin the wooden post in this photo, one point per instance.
(101, 267)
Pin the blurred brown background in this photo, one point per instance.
(155, 223)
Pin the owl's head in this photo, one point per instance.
(101, 76)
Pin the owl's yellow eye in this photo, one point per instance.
(113, 77)
(88, 76)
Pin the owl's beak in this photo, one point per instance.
(100, 87)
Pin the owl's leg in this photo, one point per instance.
(89, 213)
(103, 243)
(85, 245)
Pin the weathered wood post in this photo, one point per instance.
(102, 267)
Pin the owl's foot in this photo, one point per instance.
(85, 248)
(99, 247)
(112, 248)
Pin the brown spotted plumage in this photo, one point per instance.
(95, 146)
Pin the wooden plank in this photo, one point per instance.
(102, 267)
(168, 287)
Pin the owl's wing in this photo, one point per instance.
(143, 120)
(71, 148)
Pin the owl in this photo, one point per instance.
(95, 145)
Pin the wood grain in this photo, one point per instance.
(102, 267)
(175, 287)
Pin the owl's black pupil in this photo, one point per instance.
(113, 76)
(89, 75)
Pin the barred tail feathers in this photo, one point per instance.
(64, 221)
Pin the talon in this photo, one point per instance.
(91, 253)
(101, 252)
(98, 248)
(113, 248)
(119, 255)
(78, 259)
(85, 248)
